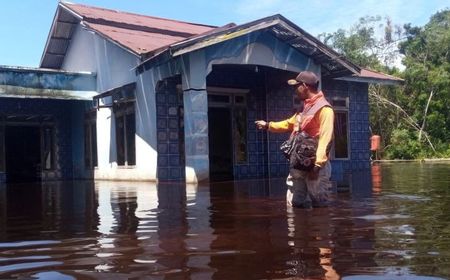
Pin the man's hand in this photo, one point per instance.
(260, 124)
(314, 173)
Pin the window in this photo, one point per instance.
(340, 135)
(90, 139)
(340, 106)
(125, 133)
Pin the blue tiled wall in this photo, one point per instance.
(358, 125)
(256, 165)
(268, 102)
(266, 155)
(61, 110)
(281, 107)
(170, 132)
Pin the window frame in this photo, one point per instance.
(121, 111)
(341, 108)
(233, 105)
(90, 126)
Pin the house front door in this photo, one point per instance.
(220, 144)
(22, 153)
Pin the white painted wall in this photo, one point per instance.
(114, 67)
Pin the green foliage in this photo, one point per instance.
(403, 145)
(413, 120)
(361, 45)
(427, 61)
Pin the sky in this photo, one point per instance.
(25, 24)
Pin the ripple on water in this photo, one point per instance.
(30, 265)
(28, 243)
(383, 217)
(408, 197)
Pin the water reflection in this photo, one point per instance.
(384, 226)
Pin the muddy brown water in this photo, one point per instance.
(394, 224)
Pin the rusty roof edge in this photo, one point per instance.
(136, 27)
(65, 5)
(158, 51)
(85, 23)
(134, 14)
(364, 78)
(87, 27)
(388, 76)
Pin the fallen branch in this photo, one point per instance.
(408, 118)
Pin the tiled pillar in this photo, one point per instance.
(195, 99)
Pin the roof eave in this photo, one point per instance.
(52, 28)
(199, 42)
(372, 80)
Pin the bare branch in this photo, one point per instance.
(425, 115)
(407, 118)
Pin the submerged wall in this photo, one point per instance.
(64, 115)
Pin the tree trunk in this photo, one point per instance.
(425, 115)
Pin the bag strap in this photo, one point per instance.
(309, 114)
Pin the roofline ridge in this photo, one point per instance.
(136, 27)
(68, 4)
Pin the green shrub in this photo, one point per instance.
(404, 145)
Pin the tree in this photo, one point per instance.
(371, 43)
(427, 74)
(419, 110)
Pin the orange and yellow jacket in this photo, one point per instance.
(320, 125)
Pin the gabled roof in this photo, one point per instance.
(138, 34)
(333, 64)
(160, 39)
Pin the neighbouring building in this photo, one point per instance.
(121, 96)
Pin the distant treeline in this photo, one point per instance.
(413, 119)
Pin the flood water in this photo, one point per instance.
(394, 224)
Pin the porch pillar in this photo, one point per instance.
(195, 101)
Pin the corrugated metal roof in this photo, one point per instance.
(139, 34)
(368, 73)
(93, 14)
(148, 36)
(138, 41)
(373, 77)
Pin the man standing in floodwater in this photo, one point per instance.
(308, 189)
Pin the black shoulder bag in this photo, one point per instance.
(300, 150)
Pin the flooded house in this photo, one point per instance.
(122, 96)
